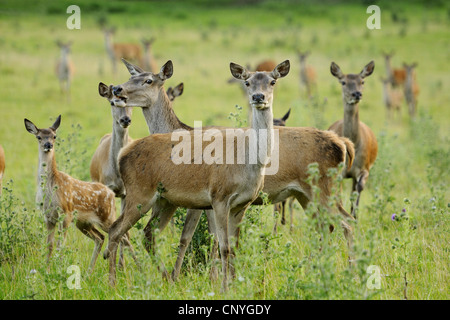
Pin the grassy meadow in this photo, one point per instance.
(410, 177)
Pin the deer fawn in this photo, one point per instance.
(307, 73)
(65, 67)
(411, 89)
(324, 147)
(2, 167)
(104, 167)
(58, 192)
(116, 51)
(177, 91)
(149, 61)
(392, 98)
(366, 146)
(227, 188)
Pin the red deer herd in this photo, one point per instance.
(140, 172)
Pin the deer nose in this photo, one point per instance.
(116, 90)
(357, 95)
(125, 121)
(48, 145)
(258, 97)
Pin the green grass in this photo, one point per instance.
(411, 171)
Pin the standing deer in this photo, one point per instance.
(307, 73)
(396, 77)
(58, 192)
(149, 61)
(2, 167)
(153, 181)
(104, 167)
(411, 89)
(65, 67)
(177, 91)
(366, 146)
(298, 148)
(116, 51)
(392, 98)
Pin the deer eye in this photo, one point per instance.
(247, 83)
(362, 82)
(148, 81)
(343, 83)
(273, 82)
(39, 138)
(54, 137)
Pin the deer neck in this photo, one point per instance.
(388, 67)
(351, 122)
(108, 45)
(47, 170)
(262, 123)
(160, 116)
(119, 139)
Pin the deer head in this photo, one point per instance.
(143, 87)
(120, 113)
(46, 137)
(260, 83)
(352, 84)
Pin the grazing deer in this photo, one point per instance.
(392, 98)
(104, 167)
(411, 89)
(177, 91)
(148, 61)
(307, 73)
(323, 147)
(2, 167)
(396, 77)
(366, 146)
(58, 192)
(116, 51)
(65, 67)
(151, 181)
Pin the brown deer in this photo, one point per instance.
(153, 181)
(174, 92)
(148, 62)
(65, 68)
(116, 51)
(366, 146)
(307, 73)
(58, 193)
(104, 167)
(392, 97)
(396, 76)
(324, 147)
(2, 167)
(411, 89)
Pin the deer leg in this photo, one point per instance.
(91, 232)
(50, 240)
(65, 227)
(119, 228)
(215, 248)
(222, 212)
(291, 212)
(359, 187)
(233, 230)
(190, 224)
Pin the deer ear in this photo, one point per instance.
(104, 90)
(336, 71)
(166, 70)
(55, 125)
(239, 72)
(133, 69)
(368, 69)
(31, 128)
(178, 90)
(286, 116)
(281, 70)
